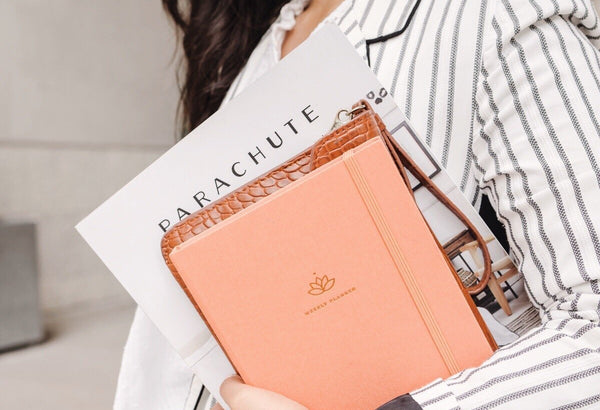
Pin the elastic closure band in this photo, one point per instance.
(401, 265)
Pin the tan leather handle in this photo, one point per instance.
(405, 161)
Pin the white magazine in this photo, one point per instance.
(277, 117)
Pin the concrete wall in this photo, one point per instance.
(87, 100)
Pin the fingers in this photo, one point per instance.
(231, 386)
(217, 407)
(240, 396)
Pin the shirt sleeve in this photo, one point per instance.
(536, 153)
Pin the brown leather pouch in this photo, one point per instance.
(363, 125)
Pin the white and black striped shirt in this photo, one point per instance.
(507, 95)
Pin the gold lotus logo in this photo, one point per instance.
(321, 285)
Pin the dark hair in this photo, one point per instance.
(218, 37)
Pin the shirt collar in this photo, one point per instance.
(287, 20)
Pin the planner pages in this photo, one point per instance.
(280, 115)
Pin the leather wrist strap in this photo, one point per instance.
(405, 161)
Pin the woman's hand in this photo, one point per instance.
(240, 396)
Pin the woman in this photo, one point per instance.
(507, 95)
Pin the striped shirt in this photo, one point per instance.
(507, 95)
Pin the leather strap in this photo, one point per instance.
(405, 161)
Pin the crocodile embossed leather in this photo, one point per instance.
(364, 125)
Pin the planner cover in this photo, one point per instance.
(333, 291)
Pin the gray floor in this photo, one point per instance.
(75, 368)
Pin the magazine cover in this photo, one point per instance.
(270, 122)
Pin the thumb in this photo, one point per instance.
(240, 396)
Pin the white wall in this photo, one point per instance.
(87, 100)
